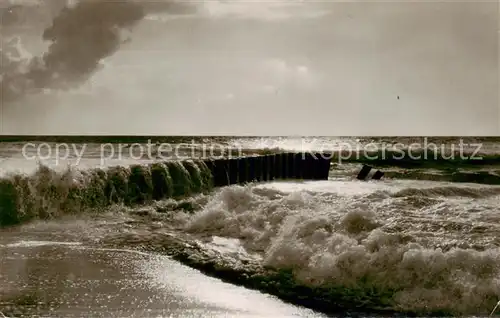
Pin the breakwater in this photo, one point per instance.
(48, 194)
(282, 166)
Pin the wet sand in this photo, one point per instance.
(60, 279)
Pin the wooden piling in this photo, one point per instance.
(377, 175)
(298, 166)
(210, 163)
(278, 164)
(233, 170)
(265, 167)
(243, 170)
(259, 168)
(290, 165)
(221, 172)
(271, 162)
(364, 172)
(323, 166)
(255, 169)
(305, 166)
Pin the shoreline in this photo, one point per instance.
(252, 275)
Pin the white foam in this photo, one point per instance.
(355, 187)
(41, 243)
(228, 246)
(346, 232)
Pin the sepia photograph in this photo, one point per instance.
(249, 158)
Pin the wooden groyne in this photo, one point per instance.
(364, 173)
(272, 167)
(48, 193)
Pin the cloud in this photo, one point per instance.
(260, 10)
(78, 35)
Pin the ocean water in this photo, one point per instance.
(415, 246)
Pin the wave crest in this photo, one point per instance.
(48, 193)
(451, 191)
(356, 252)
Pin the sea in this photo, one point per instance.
(415, 243)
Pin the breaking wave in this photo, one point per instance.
(480, 192)
(417, 251)
(48, 193)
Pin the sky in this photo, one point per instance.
(279, 68)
